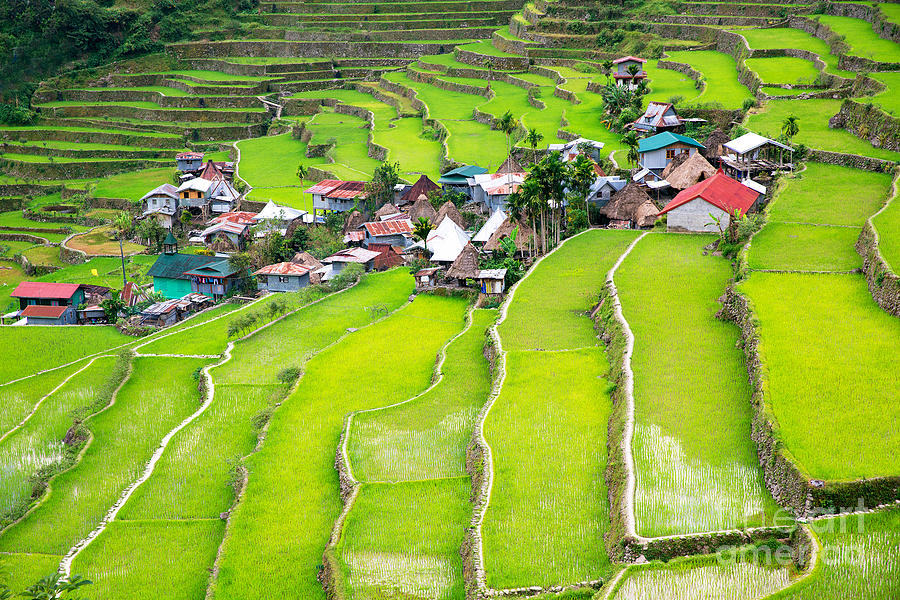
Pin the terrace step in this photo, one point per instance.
(190, 85)
(194, 131)
(120, 95)
(332, 7)
(449, 21)
(751, 9)
(38, 150)
(314, 18)
(396, 49)
(433, 34)
(402, 103)
(120, 138)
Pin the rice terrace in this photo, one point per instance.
(450, 300)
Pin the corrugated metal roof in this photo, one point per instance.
(492, 274)
(356, 255)
(39, 289)
(284, 268)
(392, 227)
(354, 236)
(197, 183)
(189, 155)
(629, 58)
(324, 186)
(47, 312)
(221, 268)
(174, 266)
(348, 191)
(166, 189)
(664, 139)
(241, 217)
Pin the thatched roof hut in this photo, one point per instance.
(354, 221)
(631, 204)
(674, 164)
(525, 240)
(693, 170)
(385, 211)
(714, 143)
(448, 209)
(307, 260)
(466, 264)
(510, 165)
(422, 208)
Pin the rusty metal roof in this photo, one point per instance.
(47, 312)
(392, 227)
(284, 268)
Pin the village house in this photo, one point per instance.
(682, 174)
(445, 242)
(335, 263)
(396, 232)
(217, 170)
(623, 75)
(388, 256)
(422, 209)
(569, 151)
(657, 118)
(603, 189)
(630, 208)
(283, 277)
(188, 161)
(169, 272)
(334, 195)
(751, 154)
(194, 193)
(527, 240)
(228, 231)
(697, 208)
(657, 151)
(169, 312)
(465, 266)
(490, 226)
(45, 303)
(492, 189)
(162, 203)
(407, 194)
(459, 179)
(215, 279)
(274, 217)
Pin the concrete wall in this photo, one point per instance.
(695, 216)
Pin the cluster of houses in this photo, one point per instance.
(50, 303)
(204, 190)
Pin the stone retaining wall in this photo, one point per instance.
(287, 49)
(196, 101)
(39, 150)
(504, 63)
(880, 25)
(839, 48)
(112, 203)
(112, 137)
(72, 170)
(26, 189)
(869, 122)
(851, 160)
(884, 284)
(152, 114)
(452, 86)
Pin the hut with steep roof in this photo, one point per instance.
(386, 211)
(465, 266)
(691, 171)
(424, 185)
(422, 208)
(510, 165)
(449, 210)
(630, 208)
(526, 239)
(713, 145)
(354, 221)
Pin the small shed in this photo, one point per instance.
(693, 170)
(492, 282)
(465, 266)
(427, 278)
(630, 208)
(388, 210)
(35, 314)
(388, 256)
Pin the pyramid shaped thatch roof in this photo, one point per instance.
(422, 208)
(714, 143)
(385, 211)
(307, 260)
(423, 186)
(693, 170)
(354, 221)
(449, 210)
(674, 164)
(631, 203)
(524, 240)
(510, 165)
(466, 264)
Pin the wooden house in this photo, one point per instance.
(194, 193)
(630, 208)
(411, 193)
(48, 315)
(492, 189)
(397, 232)
(427, 278)
(491, 282)
(37, 293)
(334, 195)
(603, 189)
(657, 151)
(657, 118)
(283, 277)
(215, 279)
(719, 197)
(458, 179)
(162, 204)
(188, 161)
(623, 76)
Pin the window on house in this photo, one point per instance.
(282, 279)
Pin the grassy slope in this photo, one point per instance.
(696, 465)
(289, 507)
(271, 164)
(863, 41)
(848, 357)
(785, 37)
(720, 72)
(783, 69)
(794, 247)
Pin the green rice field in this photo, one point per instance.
(720, 74)
(863, 41)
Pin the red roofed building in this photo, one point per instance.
(389, 256)
(48, 294)
(334, 195)
(393, 233)
(48, 315)
(693, 209)
(622, 74)
(283, 277)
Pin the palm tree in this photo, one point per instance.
(581, 176)
(630, 140)
(534, 138)
(507, 124)
(790, 127)
(54, 586)
(122, 226)
(421, 230)
(302, 172)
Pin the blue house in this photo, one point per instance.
(657, 151)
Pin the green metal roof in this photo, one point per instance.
(174, 266)
(462, 173)
(170, 239)
(221, 268)
(667, 138)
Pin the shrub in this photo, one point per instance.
(349, 275)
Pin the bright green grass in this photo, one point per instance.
(887, 224)
(272, 161)
(159, 89)
(666, 84)
(350, 153)
(510, 97)
(34, 158)
(159, 394)
(585, 118)
(812, 116)
(786, 37)
(44, 256)
(540, 80)
(281, 526)
(720, 73)
(703, 577)
(851, 196)
(403, 540)
(39, 348)
(316, 326)
(427, 438)
(132, 186)
(849, 351)
(57, 145)
(861, 559)
(15, 219)
(889, 100)
(795, 247)
(863, 41)
(442, 104)
(20, 398)
(24, 570)
(696, 466)
(573, 277)
(25, 130)
(164, 560)
(548, 508)
(777, 91)
(109, 271)
(39, 441)
(783, 69)
(213, 75)
(471, 142)
(485, 47)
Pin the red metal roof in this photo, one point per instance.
(49, 312)
(240, 217)
(284, 268)
(627, 58)
(38, 289)
(189, 155)
(721, 191)
(324, 186)
(393, 227)
(348, 190)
